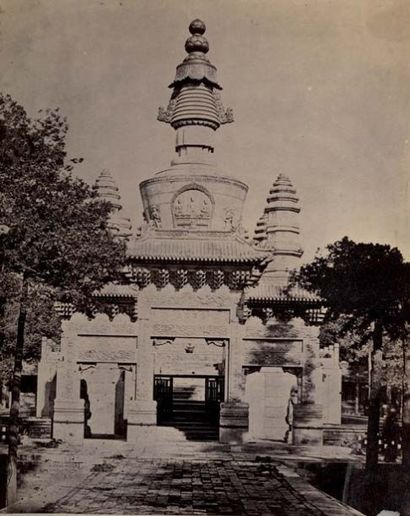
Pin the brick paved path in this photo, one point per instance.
(186, 487)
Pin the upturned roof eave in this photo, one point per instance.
(197, 259)
(240, 251)
(264, 301)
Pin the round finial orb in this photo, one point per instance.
(197, 27)
(196, 43)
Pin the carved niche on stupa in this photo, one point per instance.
(192, 208)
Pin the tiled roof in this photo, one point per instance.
(183, 246)
(269, 292)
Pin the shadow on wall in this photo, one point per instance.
(87, 407)
(120, 424)
(50, 395)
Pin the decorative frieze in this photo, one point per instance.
(198, 279)
(179, 278)
(113, 309)
(238, 279)
(267, 313)
(284, 313)
(216, 279)
(234, 279)
(140, 276)
(161, 278)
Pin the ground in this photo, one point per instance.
(187, 487)
(171, 476)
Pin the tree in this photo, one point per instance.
(42, 321)
(406, 405)
(364, 285)
(58, 238)
(355, 348)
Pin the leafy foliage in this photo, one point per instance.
(58, 239)
(366, 289)
(42, 321)
(361, 284)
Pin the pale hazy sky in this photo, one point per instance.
(320, 91)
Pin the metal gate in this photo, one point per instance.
(163, 387)
(214, 394)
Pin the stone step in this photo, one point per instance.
(193, 403)
(189, 413)
(189, 423)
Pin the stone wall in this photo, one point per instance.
(189, 356)
(276, 347)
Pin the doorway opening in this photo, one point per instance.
(190, 403)
(104, 393)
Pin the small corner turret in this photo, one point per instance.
(278, 230)
(107, 189)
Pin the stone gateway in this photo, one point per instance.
(203, 333)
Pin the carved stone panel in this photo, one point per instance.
(192, 209)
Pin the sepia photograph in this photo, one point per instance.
(205, 257)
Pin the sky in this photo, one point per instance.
(320, 91)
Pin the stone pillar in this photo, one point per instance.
(308, 415)
(46, 373)
(332, 385)
(143, 411)
(234, 414)
(68, 420)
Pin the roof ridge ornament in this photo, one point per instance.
(195, 100)
(197, 42)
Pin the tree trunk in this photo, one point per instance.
(357, 396)
(373, 420)
(405, 436)
(14, 422)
